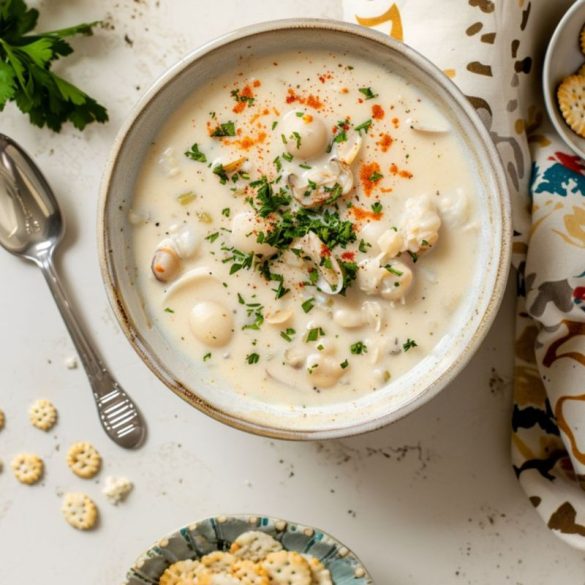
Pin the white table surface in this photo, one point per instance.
(430, 500)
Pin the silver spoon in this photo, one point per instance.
(31, 226)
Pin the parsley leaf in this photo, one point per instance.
(365, 126)
(25, 71)
(195, 154)
(252, 358)
(358, 348)
(224, 129)
(410, 343)
(367, 91)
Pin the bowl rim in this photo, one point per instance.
(549, 92)
(245, 517)
(501, 265)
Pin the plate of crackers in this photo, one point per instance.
(564, 78)
(248, 550)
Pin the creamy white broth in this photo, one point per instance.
(410, 175)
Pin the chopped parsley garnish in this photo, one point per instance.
(169, 310)
(358, 348)
(278, 164)
(363, 247)
(349, 274)
(305, 166)
(308, 305)
(365, 126)
(425, 243)
(392, 270)
(274, 124)
(252, 358)
(283, 138)
(344, 364)
(224, 129)
(377, 207)
(254, 310)
(335, 193)
(240, 260)
(297, 138)
(235, 93)
(410, 343)
(212, 237)
(375, 176)
(299, 114)
(221, 173)
(340, 137)
(207, 356)
(314, 334)
(226, 211)
(269, 201)
(287, 334)
(196, 154)
(287, 156)
(367, 91)
(413, 255)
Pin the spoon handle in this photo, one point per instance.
(119, 416)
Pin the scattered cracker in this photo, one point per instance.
(2, 419)
(581, 70)
(249, 573)
(84, 460)
(571, 98)
(218, 561)
(27, 468)
(582, 40)
(287, 568)
(42, 414)
(222, 578)
(71, 362)
(79, 510)
(320, 575)
(181, 573)
(254, 545)
(116, 489)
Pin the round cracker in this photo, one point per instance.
(571, 99)
(249, 572)
(79, 510)
(42, 414)
(84, 460)
(218, 561)
(287, 567)
(181, 573)
(320, 575)
(254, 545)
(27, 468)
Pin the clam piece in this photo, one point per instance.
(294, 357)
(211, 323)
(454, 207)
(390, 281)
(305, 133)
(321, 185)
(165, 263)
(330, 279)
(195, 275)
(349, 318)
(246, 228)
(420, 224)
(323, 371)
(346, 152)
(391, 243)
(278, 316)
(184, 240)
(233, 165)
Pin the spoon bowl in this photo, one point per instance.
(31, 224)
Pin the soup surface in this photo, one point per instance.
(306, 227)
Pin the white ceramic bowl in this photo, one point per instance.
(563, 57)
(186, 377)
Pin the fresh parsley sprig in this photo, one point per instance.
(25, 71)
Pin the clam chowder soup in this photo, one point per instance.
(306, 227)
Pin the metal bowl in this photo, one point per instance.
(400, 396)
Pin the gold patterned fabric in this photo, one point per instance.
(493, 50)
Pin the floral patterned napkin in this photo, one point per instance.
(493, 51)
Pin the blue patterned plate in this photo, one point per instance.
(219, 532)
